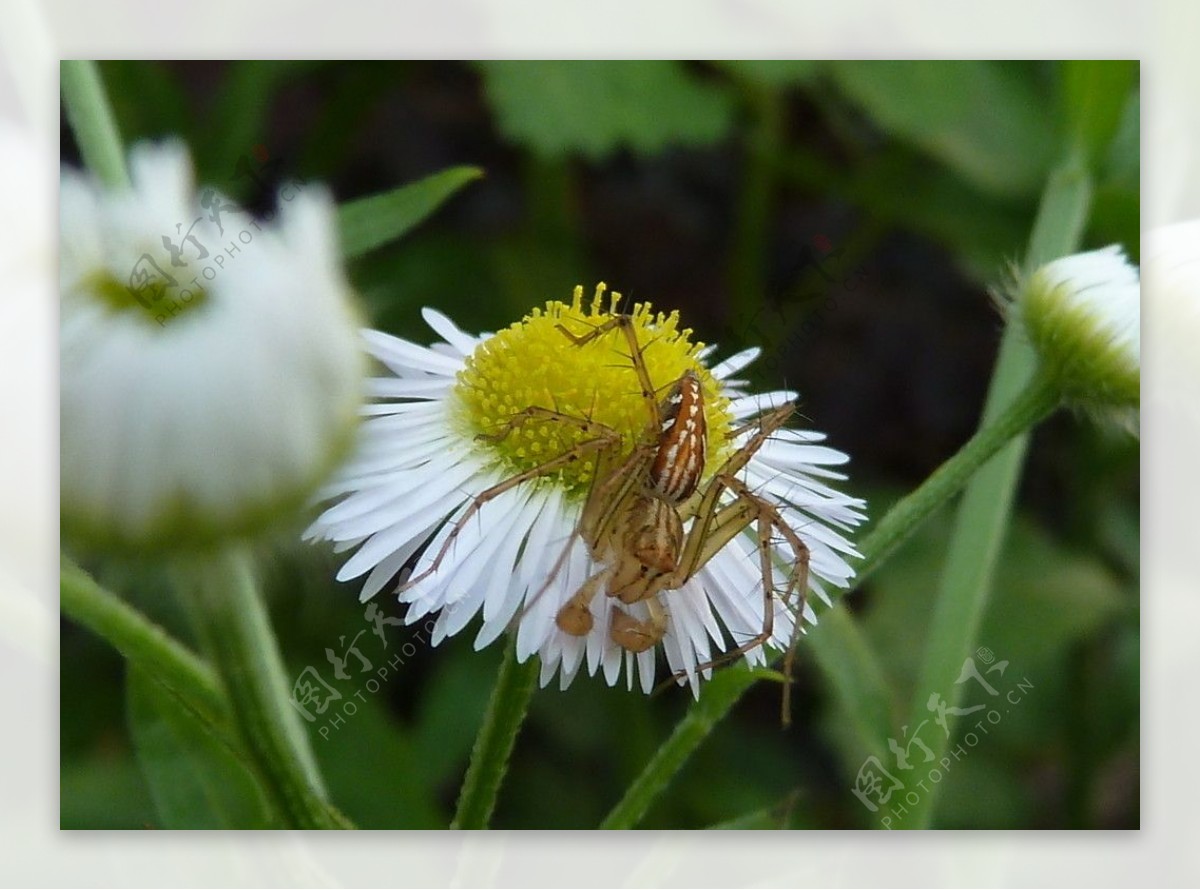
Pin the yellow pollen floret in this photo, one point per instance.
(533, 363)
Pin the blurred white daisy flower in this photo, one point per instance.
(210, 372)
(1083, 315)
(573, 555)
(1171, 267)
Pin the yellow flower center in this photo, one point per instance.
(534, 363)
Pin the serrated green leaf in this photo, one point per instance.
(196, 780)
(985, 120)
(595, 108)
(371, 222)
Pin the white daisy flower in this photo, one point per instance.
(470, 413)
(1083, 315)
(210, 369)
(1171, 265)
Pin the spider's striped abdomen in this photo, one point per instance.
(679, 462)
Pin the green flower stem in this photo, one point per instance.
(1031, 406)
(232, 621)
(841, 651)
(716, 700)
(92, 120)
(494, 744)
(144, 644)
(984, 512)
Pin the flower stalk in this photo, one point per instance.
(92, 121)
(494, 744)
(143, 644)
(225, 604)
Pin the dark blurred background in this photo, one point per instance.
(853, 219)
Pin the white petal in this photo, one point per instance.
(736, 362)
(749, 406)
(449, 331)
(404, 357)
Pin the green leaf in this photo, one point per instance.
(1094, 96)
(985, 120)
(143, 643)
(773, 72)
(771, 818)
(1123, 162)
(195, 779)
(982, 792)
(441, 736)
(1047, 598)
(241, 113)
(1116, 212)
(375, 770)
(147, 99)
(103, 790)
(86, 103)
(371, 222)
(595, 108)
(849, 662)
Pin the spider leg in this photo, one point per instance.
(634, 635)
(575, 617)
(769, 520)
(564, 459)
(625, 324)
(766, 425)
(519, 418)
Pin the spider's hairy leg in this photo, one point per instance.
(766, 424)
(634, 635)
(575, 617)
(568, 457)
(585, 425)
(769, 521)
(715, 526)
(797, 584)
(625, 324)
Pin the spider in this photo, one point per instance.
(651, 520)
